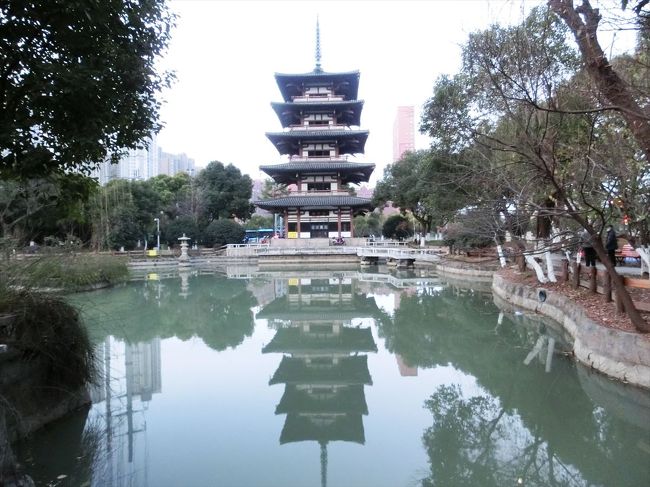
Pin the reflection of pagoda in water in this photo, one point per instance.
(324, 367)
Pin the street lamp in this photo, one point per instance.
(157, 220)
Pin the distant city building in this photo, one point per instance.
(142, 164)
(172, 164)
(403, 132)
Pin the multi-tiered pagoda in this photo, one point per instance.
(320, 116)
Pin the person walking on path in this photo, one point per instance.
(611, 244)
(588, 249)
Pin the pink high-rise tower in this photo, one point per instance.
(403, 132)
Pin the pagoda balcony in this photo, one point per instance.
(297, 127)
(342, 157)
(323, 192)
(316, 98)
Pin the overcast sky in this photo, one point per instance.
(225, 54)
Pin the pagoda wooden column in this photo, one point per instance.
(339, 222)
(298, 222)
(351, 223)
(286, 223)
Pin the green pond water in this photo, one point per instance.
(339, 378)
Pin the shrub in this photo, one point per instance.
(222, 232)
(48, 329)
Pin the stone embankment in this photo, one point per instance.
(469, 270)
(615, 353)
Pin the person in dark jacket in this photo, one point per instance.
(588, 249)
(611, 244)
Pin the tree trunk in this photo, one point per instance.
(583, 23)
(619, 288)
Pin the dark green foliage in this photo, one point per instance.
(82, 76)
(172, 229)
(125, 231)
(223, 232)
(259, 221)
(397, 227)
(367, 225)
(424, 183)
(225, 192)
(48, 329)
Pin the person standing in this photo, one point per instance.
(588, 249)
(611, 244)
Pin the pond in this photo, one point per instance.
(339, 378)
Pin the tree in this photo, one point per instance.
(78, 81)
(367, 225)
(583, 22)
(271, 189)
(398, 227)
(420, 183)
(33, 208)
(182, 225)
(259, 221)
(225, 192)
(520, 111)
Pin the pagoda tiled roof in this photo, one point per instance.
(315, 202)
(289, 142)
(303, 427)
(348, 112)
(352, 172)
(347, 371)
(350, 399)
(294, 340)
(345, 83)
(282, 309)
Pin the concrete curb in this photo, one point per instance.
(619, 354)
(465, 269)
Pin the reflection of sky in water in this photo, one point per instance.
(210, 419)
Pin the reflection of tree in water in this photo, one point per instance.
(215, 309)
(474, 441)
(529, 421)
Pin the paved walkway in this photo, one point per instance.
(624, 270)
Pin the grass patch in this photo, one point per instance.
(68, 272)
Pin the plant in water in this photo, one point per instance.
(47, 329)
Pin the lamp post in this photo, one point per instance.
(157, 220)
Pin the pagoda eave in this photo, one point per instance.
(289, 143)
(347, 112)
(315, 202)
(290, 85)
(350, 172)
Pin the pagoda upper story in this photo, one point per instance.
(318, 113)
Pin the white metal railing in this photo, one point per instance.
(386, 243)
(310, 251)
(399, 253)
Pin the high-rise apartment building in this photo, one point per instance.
(142, 164)
(403, 132)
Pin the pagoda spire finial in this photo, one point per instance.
(318, 67)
